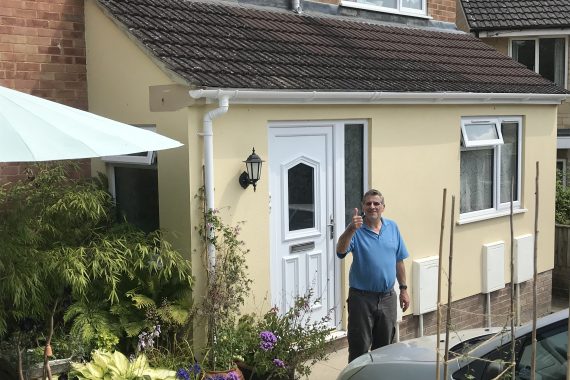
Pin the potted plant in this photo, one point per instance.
(227, 288)
(283, 346)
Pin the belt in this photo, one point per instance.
(372, 293)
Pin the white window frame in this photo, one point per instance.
(500, 207)
(146, 159)
(398, 10)
(465, 123)
(536, 40)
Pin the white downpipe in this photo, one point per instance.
(397, 335)
(208, 135)
(296, 6)
(489, 309)
(518, 298)
(421, 325)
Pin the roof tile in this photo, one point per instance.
(215, 44)
(497, 14)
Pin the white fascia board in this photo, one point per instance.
(524, 33)
(322, 97)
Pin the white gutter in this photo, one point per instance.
(374, 97)
(208, 135)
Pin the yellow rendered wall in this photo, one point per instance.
(119, 75)
(414, 154)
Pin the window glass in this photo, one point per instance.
(301, 191)
(509, 155)
(380, 3)
(523, 52)
(415, 4)
(136, 194)
(353, 168)
(551, 59)
(488, 167)
(551, 359)
(480, 132)
(476, 180)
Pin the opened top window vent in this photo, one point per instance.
(141, 158)
(480, 133)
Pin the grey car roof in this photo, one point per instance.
(423, 349)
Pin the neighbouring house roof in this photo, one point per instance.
(225, 45)
(516, 14)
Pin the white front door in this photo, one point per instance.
(302, 200)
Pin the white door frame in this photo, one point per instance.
(335, 292)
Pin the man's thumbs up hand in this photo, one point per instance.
(356, 219)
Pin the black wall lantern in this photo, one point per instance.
(253, 167)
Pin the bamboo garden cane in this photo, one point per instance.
(438, 323)
(512, 311)
(449, 283)
(535, 278)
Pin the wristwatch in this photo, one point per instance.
(403, 286)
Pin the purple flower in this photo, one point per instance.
(232, 376)
(279, 363)
(268, 336)
(266, 346)
(182, 374)
(195, 368)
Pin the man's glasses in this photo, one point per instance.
(372, 203)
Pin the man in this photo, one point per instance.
(378, 252)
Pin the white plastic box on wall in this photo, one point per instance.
(493, 270)
(524, 258)
(425, 272)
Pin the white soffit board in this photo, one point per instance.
(425, 273)
(493, 266)
(523, 256)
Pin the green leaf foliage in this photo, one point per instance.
(116, 366)
(62, 245)
(562, 209)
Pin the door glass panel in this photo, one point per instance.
(301, 190)
(353, 168)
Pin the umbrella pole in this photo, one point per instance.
(438, 323)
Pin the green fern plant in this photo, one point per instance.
(64, 257)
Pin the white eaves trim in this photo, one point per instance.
(524, 33)
(376, 97)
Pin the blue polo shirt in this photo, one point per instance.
(374, 257)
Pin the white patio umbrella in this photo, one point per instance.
(35, 129)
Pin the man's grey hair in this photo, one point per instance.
(372, 193)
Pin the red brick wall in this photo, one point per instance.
(442, 10)
(471, 312)
(42, 52)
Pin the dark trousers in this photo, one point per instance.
(371, 320)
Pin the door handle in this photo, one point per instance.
(330, 225)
